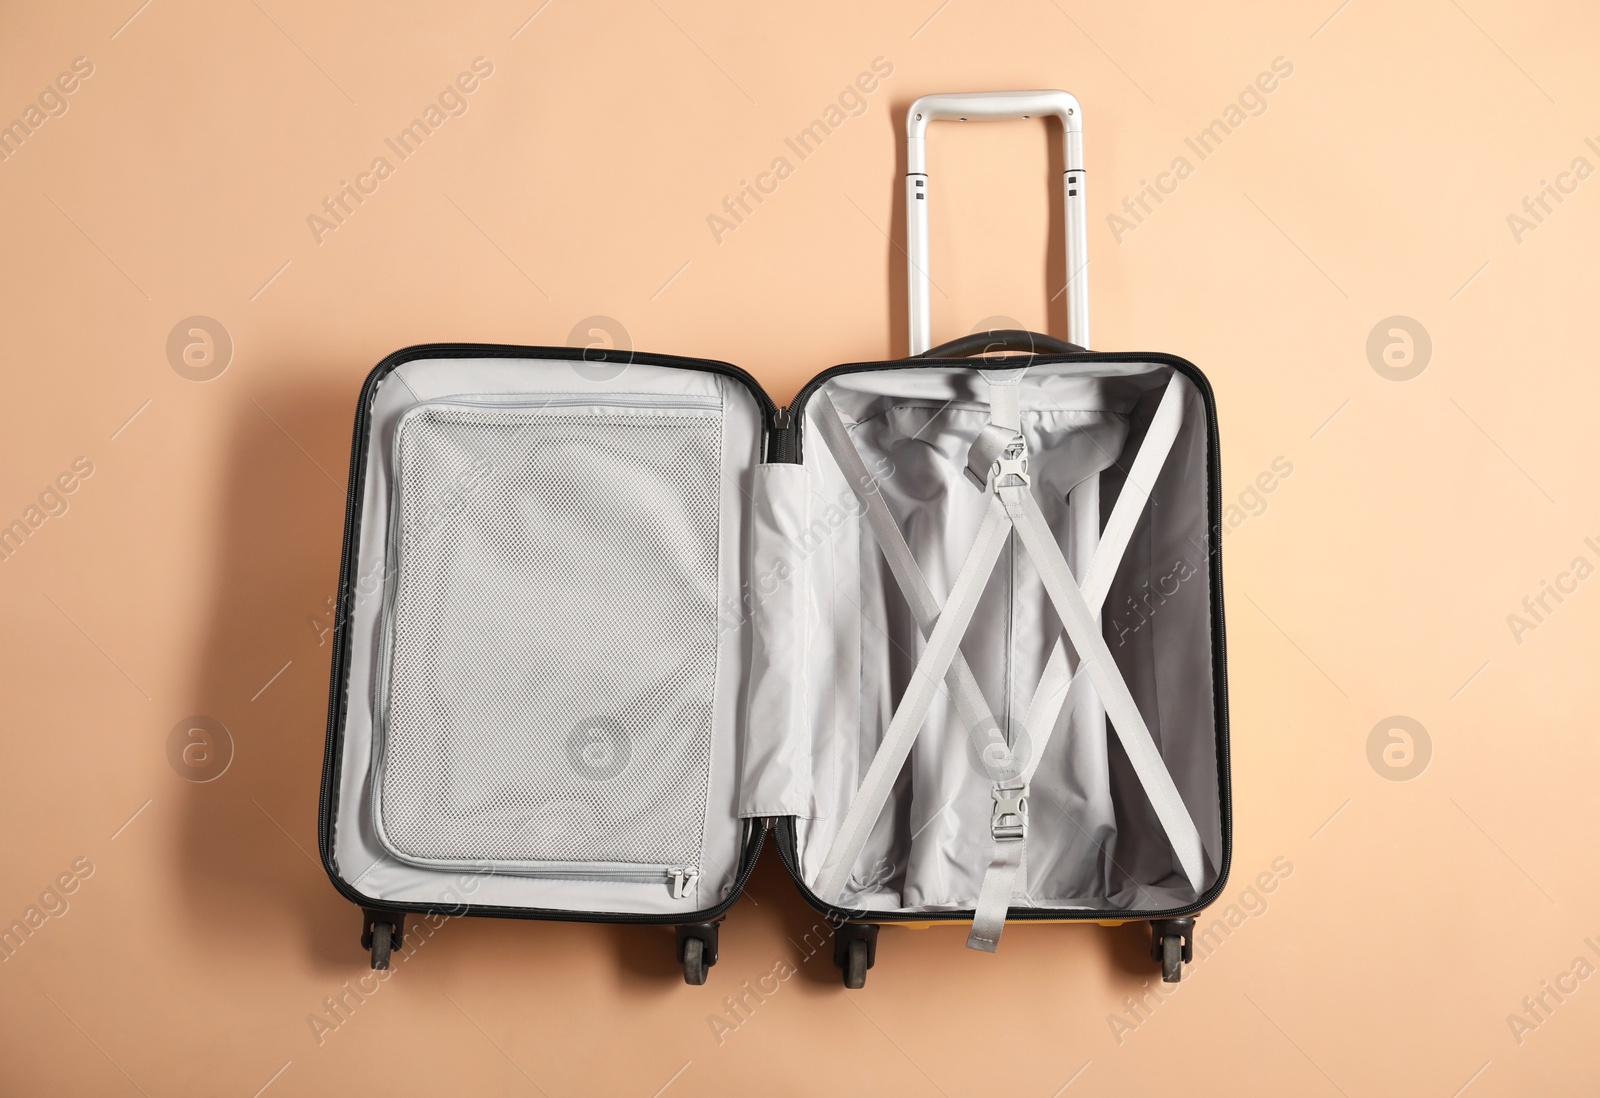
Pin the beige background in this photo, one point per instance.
(190, 572)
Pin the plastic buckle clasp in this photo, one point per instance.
(1008, 470)
(1012, 464)
(1009, 824)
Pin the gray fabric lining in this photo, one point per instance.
(1094, 842)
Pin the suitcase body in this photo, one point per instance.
(609, 621)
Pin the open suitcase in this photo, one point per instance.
(949, 630)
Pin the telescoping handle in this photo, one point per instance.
(986, 107)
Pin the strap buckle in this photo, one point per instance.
(1009, 824)
(1013, 463)
(1007, 469)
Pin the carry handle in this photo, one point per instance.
(986, 107)
(1001, 339)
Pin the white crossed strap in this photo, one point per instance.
(998, 462)
(971, 708)
(1006, 875)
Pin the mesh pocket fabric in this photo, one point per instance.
(552, 636)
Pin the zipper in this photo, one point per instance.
(683, 880)
(781, 439)
(680, 879)
(516, 401)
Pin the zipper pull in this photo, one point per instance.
(780, 442)
(683, 880)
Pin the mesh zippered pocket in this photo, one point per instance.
(550, 633)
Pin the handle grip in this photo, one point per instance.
(1001, 339)
(993, 107)
(985, 107)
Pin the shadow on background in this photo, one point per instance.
(248, 849)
